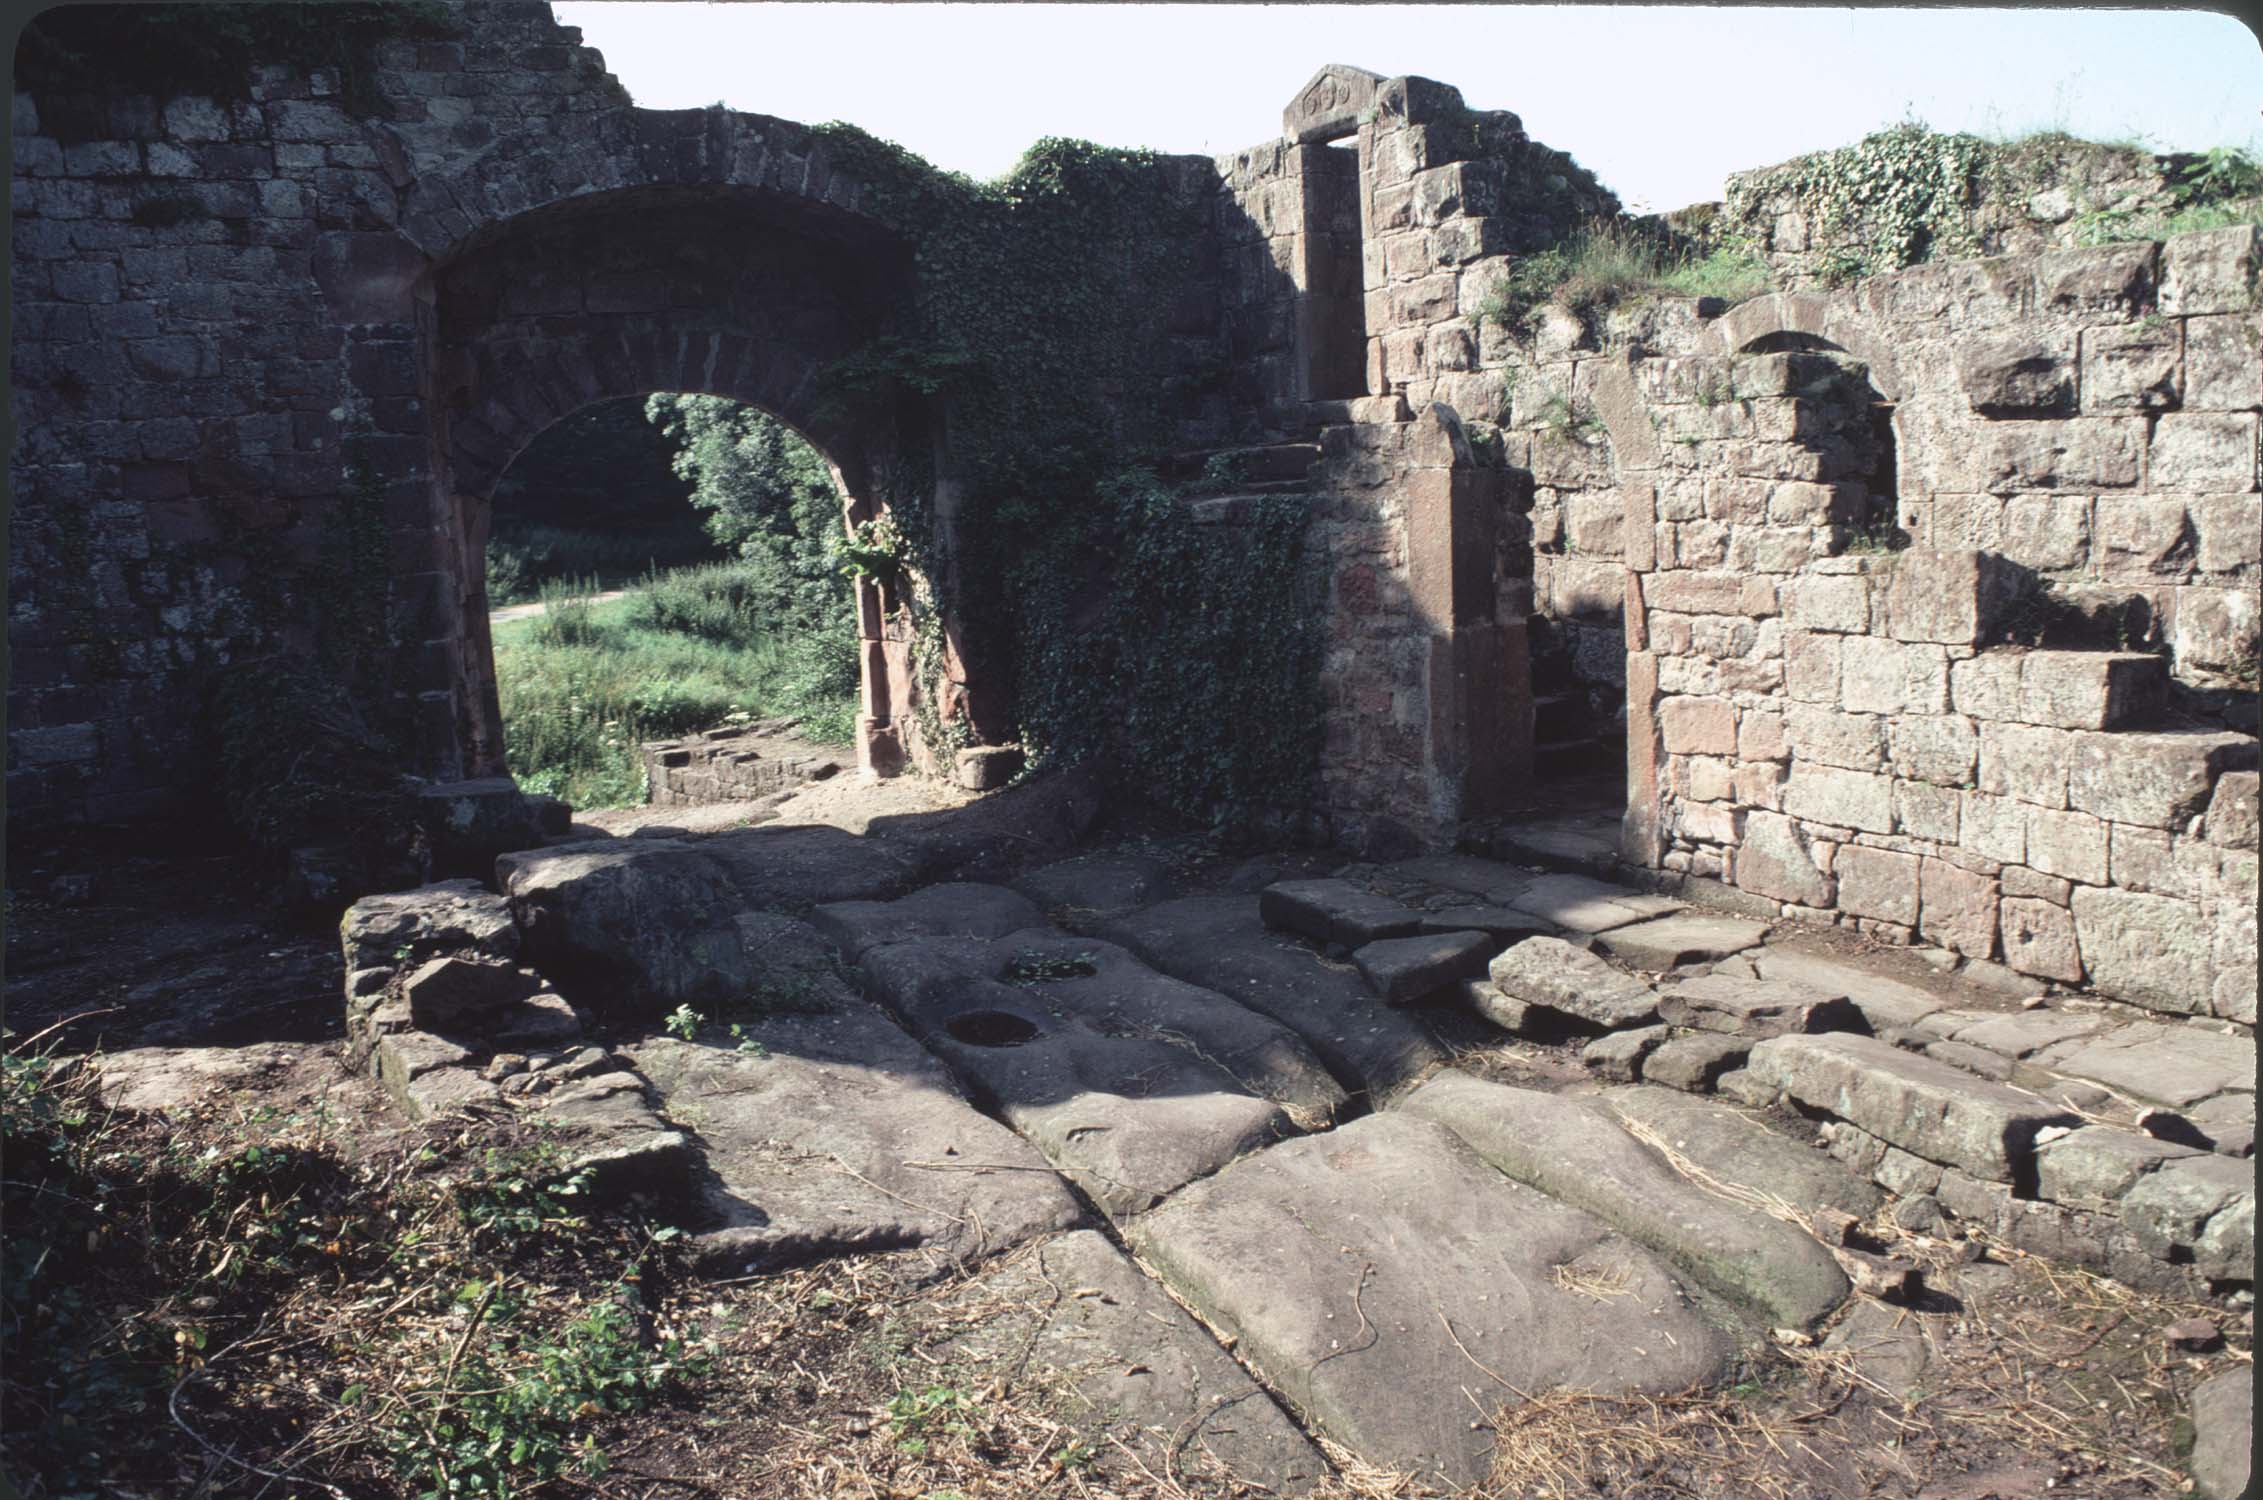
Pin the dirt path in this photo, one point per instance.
(523, 611)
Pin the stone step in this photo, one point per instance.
(1246, 465)
(1573, 846)
(1552, 974)
(1575, 1151)
(2060, 689)
(1221, 944)
(1245, 505)
(1921, 1105)
(1383, 1278)
(1578, 756)
(1335, 911)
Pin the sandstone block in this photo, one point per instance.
(2223, 364)
(1698, 726)
(1838, 603)
(2230, 529)
(2153, 950)
(1922, 1105)
(2017, 375)
(2154, 780)
(1882, 676)
(1335, 911)
(2070, 844)
(1877, 883)
(2080, 453)
(1619, 1054)
(1773, 861)
(1957, 908)
(2204, 452)
(2049, 533)
(1550, 972)
(2108, 280)
(2232, 813)
(2210, 271)
(1936, 748)
(1986, 686)
(2090, 689)
(1694, 1063)
(1828, 737)
(1847, 799)
(454, 994)
(2039, 939)
(1755, 1007)
(2095, 1165)
(2027, 763)
(1685, 938)
(2216, 629)
(1406, 969)
(2132, 368)
(1952, 597)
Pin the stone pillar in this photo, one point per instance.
(1641, 840)
(1478, 735)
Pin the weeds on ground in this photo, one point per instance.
(227, 1297)
(582, 685)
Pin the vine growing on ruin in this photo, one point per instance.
(1041, 323)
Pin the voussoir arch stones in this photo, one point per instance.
(1815, 314)
(446, 213)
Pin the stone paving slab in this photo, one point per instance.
(1377, 1273)
(1502, 922)
(1883, 1002)
(2173, 1065)
(1492, 883)
(1126, 1115)
(1738, 1149)
(1550, 972)
(1122, 1362)
(958, 909)
(1684, 938)
(1099, 885)
(1336, 911)
(1403, 970)
(1754, 1008)
(2019, 1035)
(1575, 1151)
(1584, 905)
(1695, 1061)
(845, 1137)
(1924, 1106)
(1220, 943)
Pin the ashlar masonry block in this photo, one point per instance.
(1957, 597)
(2157, 780)
(2090, 689)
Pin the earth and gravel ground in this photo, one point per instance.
(925, 1373)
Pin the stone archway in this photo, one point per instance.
(704, 289)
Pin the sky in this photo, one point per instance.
(1661, 102)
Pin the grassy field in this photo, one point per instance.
(582, 685)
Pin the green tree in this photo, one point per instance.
(770, 497)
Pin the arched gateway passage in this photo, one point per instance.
(729, 264)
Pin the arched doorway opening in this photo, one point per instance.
(741, 644)
(710, 291)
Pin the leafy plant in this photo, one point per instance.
(918, 1417)
(500, 1419)
(518, 1193)
(683, 1022)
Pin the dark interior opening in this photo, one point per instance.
(991, 1028)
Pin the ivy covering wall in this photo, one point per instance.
(1060, 327)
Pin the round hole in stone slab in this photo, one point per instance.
(991, 1028)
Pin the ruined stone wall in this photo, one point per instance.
(1939, 619)
(189, 364)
